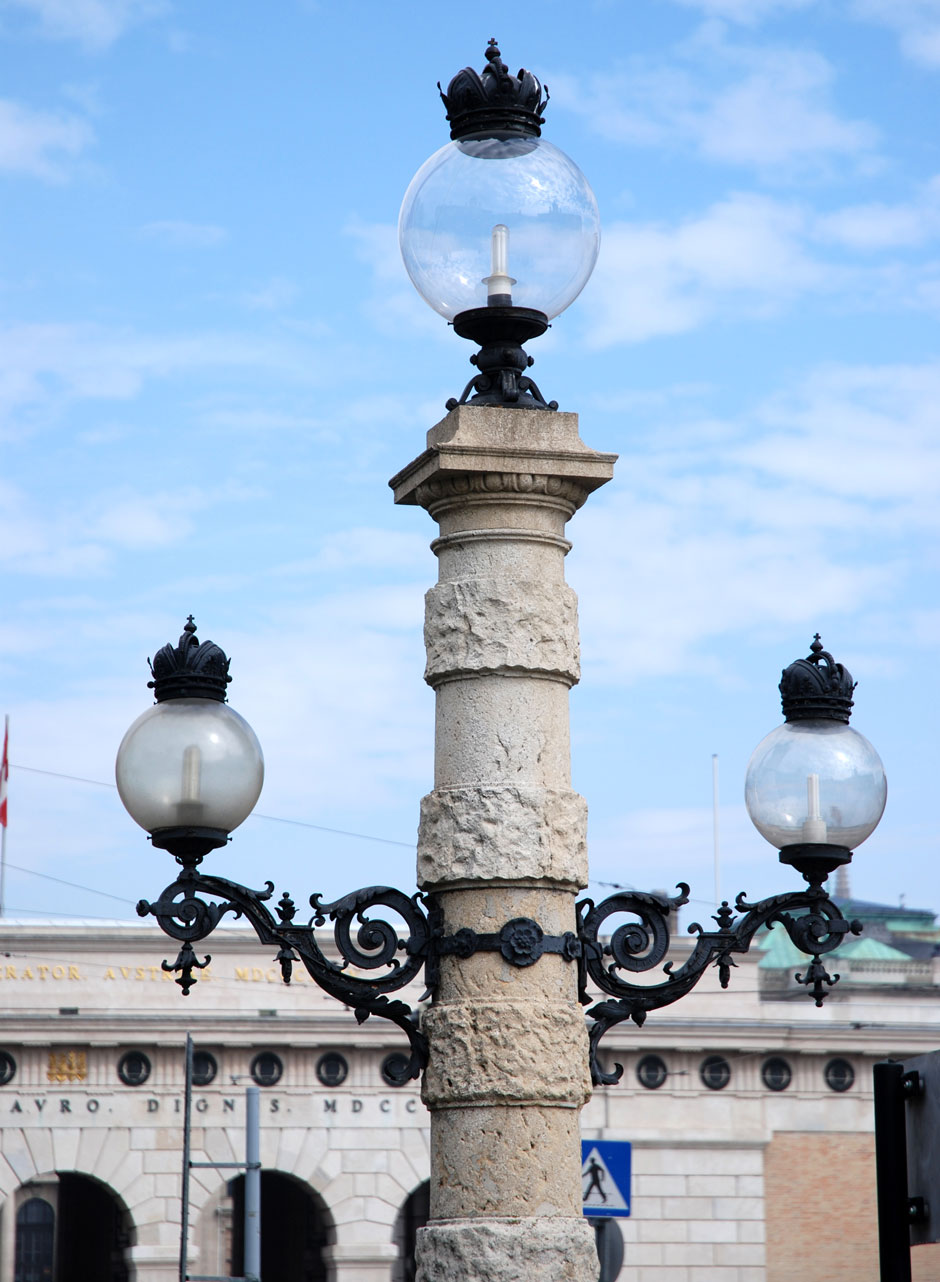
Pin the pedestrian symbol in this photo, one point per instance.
(605, 1177)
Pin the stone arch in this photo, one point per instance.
(414, 1214)
(75, 1199)
(296, 1229)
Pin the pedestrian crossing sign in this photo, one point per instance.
(605, 1177)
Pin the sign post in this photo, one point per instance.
(605, 1196)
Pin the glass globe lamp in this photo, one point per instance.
(499, 229)
(509, 218)
(190, 769)
(815, 788)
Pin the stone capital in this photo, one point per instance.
(490, 450)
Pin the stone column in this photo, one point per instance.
(502, 836)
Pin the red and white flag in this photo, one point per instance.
(4, 772)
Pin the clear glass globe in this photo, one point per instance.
(189, 763)
(815, 782)
(464, 192)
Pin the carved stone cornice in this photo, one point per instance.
(457, 485)
(496, 452)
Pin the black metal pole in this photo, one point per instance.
(187, 1126)
(894, 1233)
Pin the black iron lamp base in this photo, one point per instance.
(188, 843)
(815, 860)
(502, 360)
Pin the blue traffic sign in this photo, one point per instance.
(605, 1177)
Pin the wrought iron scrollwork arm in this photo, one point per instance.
(641, 944)
(192, 907)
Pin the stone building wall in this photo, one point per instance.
(738, 1184)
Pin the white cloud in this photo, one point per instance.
(751, 255)
(179, 234)
(816, 503)
(45, 367)
(748, 12)
(34, 541)
(881, 226)
(917, 23)
(40, 143)
(95, 24)
(778, 113)
(762, 106)
(273, 296)
(746, 253)
(395, 304)
(78, 538)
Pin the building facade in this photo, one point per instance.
(749, 1113)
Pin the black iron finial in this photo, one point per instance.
(480, 105)
(817, 688)
(189, 670)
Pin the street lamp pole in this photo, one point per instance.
(499, 233)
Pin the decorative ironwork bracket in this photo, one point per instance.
(401, 953)
(378, 945)
(641, 945)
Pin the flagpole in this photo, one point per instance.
(715, 836)
(4, 777)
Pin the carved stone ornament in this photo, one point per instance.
(511, 484)
(497, 625)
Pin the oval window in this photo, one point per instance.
(133, 1068)
(715, 1072)
(652, 1072)
(266, 1068)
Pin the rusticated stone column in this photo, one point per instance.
(502, 836)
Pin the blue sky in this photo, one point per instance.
(212, 361)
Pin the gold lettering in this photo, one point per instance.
(75, 974)
(241, 972)
(168, 975)
(43, 972)
(154, 972)
(109, 973)
(272, 976)
(58, 972)
(141, 973)
(257, 974)
(28, 974)
(11, 972)
(126, 972)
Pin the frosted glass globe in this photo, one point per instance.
(815, 782)
(475, 185)
(189, 763)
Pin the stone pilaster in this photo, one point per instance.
(503, 836)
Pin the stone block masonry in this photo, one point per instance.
(502, 836)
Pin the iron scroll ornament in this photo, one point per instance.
(191, 907)
(641, 945)
(364, 942)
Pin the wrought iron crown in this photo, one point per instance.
(479, 105)
(811, 691)
(190, 670)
